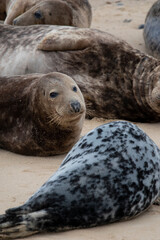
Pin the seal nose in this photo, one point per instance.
(76, 106)
(14, 22)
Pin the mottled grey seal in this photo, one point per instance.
(76, 13)
(116, 80)
(152, 30)
(41, 114)
(111, 174)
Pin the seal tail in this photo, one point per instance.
(18, 225)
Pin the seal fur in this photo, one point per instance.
(116, 80)
(152, 30)
(76, 13)
(111, 174)
(41, 114)
(2, 9)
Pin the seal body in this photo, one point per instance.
(111, 174)
(152, 30)
(116, 80)
(2, 9)
(76, 13)
(41, 114)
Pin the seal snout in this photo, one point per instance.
(14, 21)
(76, 106)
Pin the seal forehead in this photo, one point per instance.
(56, 80)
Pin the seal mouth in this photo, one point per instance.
(74, 111)
(58, 119)
(76, 116)
(71, 115)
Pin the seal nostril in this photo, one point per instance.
(76, 106)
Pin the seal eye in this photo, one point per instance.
(38, 14)
(53, 94)
(74, 89)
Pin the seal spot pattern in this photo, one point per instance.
(97, 184)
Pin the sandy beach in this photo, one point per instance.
(21, 176)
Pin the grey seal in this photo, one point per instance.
(116, 80)
(41, 114)
(111, 174)
(76, 13)
(152, 30)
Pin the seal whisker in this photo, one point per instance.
(56, 119)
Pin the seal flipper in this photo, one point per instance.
(16, 232)
(21, 225)
(65, 40)
(14, 11)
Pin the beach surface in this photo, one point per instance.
(21, 176)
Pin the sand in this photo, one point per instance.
(21, 176)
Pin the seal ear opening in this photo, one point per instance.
(64, 41)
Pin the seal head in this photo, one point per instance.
(47, 12)
(76, 13)
(44, 117)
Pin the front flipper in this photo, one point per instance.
(157, 201)
(66, 40)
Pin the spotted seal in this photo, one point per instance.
(116, 80)
(41, 114)
(76, 13)
(152, 30)
(111, 174)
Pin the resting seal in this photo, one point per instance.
(2, 9)
(76, 13)
(41, 114)
(111, 174)
(116, 80)
(152, 30)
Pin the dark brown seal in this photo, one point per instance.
(76, 13)
(152, 30)
(2, 9)
(116, 80)
(41, 114)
